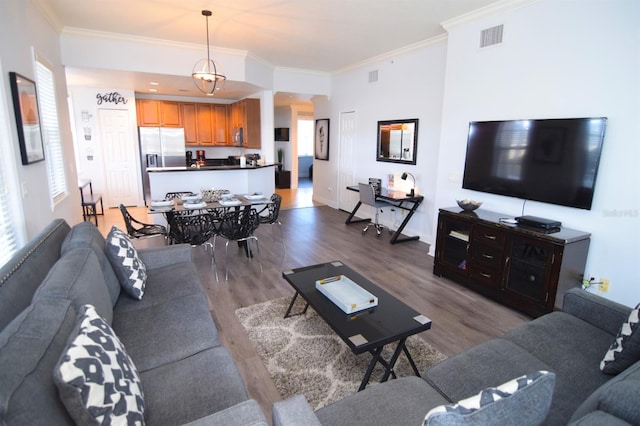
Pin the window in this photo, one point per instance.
(11, 225)
(305, 137)
(50, 130)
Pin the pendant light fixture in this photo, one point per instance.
(207, 75)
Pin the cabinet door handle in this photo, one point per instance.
(487, 256)
(485, 275)
(490, 237)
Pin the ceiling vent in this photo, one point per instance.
(491, 36)
(373, 76)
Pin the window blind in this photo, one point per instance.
(10, 235)
(50, 130)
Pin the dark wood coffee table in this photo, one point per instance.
(369, 330)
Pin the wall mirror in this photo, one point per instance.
(398, 141)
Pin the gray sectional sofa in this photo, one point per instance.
(570, 343)
(186, 375)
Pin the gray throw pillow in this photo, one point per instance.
(125, 261)
(522, 401)
(96, 379)
(625, 349)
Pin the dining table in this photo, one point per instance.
(232, 200)
(216, 205)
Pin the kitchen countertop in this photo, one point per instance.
(205, 168)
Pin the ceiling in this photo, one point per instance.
(326, 36)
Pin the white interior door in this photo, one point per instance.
(347, 199)
(120, 153)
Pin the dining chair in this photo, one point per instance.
(368, 197)
(138, 229)
(177, 194)
(270, 213)
(239, 225)
(196, 229)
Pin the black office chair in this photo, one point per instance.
(368, 197)
(239, 225)
(137, 229)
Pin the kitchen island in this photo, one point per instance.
(238, 180)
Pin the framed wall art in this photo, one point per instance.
(25, 105)
(322, 139)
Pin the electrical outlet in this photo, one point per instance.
(604, 285)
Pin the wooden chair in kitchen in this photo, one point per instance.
(137, 229)
(239, 225)
(90, 201)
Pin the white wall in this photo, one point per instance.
(558, 59)
(89, 150)
(409, 86)
(23, 28)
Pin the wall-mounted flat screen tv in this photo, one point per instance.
(282, 134)
(553, 161)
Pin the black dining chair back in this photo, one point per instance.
(239, 225)
(272, 211)
(196, 229)
(138, 229)
(178, 194)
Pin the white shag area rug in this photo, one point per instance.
(304, 356)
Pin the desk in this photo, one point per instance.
(400, 200)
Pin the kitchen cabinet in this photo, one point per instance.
(524, 268)
(154, 113)
(220, 129)
(204, 124)
(189, 123)
(245, 121)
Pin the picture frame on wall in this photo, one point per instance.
(25, 105)
(321, 141)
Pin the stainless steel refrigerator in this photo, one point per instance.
(160, 147)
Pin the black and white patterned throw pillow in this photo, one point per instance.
(97, 381)
(125, 261)
(625, 349)
(523, 401)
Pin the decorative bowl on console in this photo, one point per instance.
(469, 205)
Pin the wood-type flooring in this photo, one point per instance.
(461, 318)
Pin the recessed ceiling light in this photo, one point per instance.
(153, 90)
(153, 83)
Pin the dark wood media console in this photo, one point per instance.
(524, 268)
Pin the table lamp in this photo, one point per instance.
(413, 189)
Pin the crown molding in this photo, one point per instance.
(393, 54)
(103, 35)
(491, 9)
(48, 14)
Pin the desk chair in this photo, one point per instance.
(137, 229)
(90, 201)
(368, 197)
